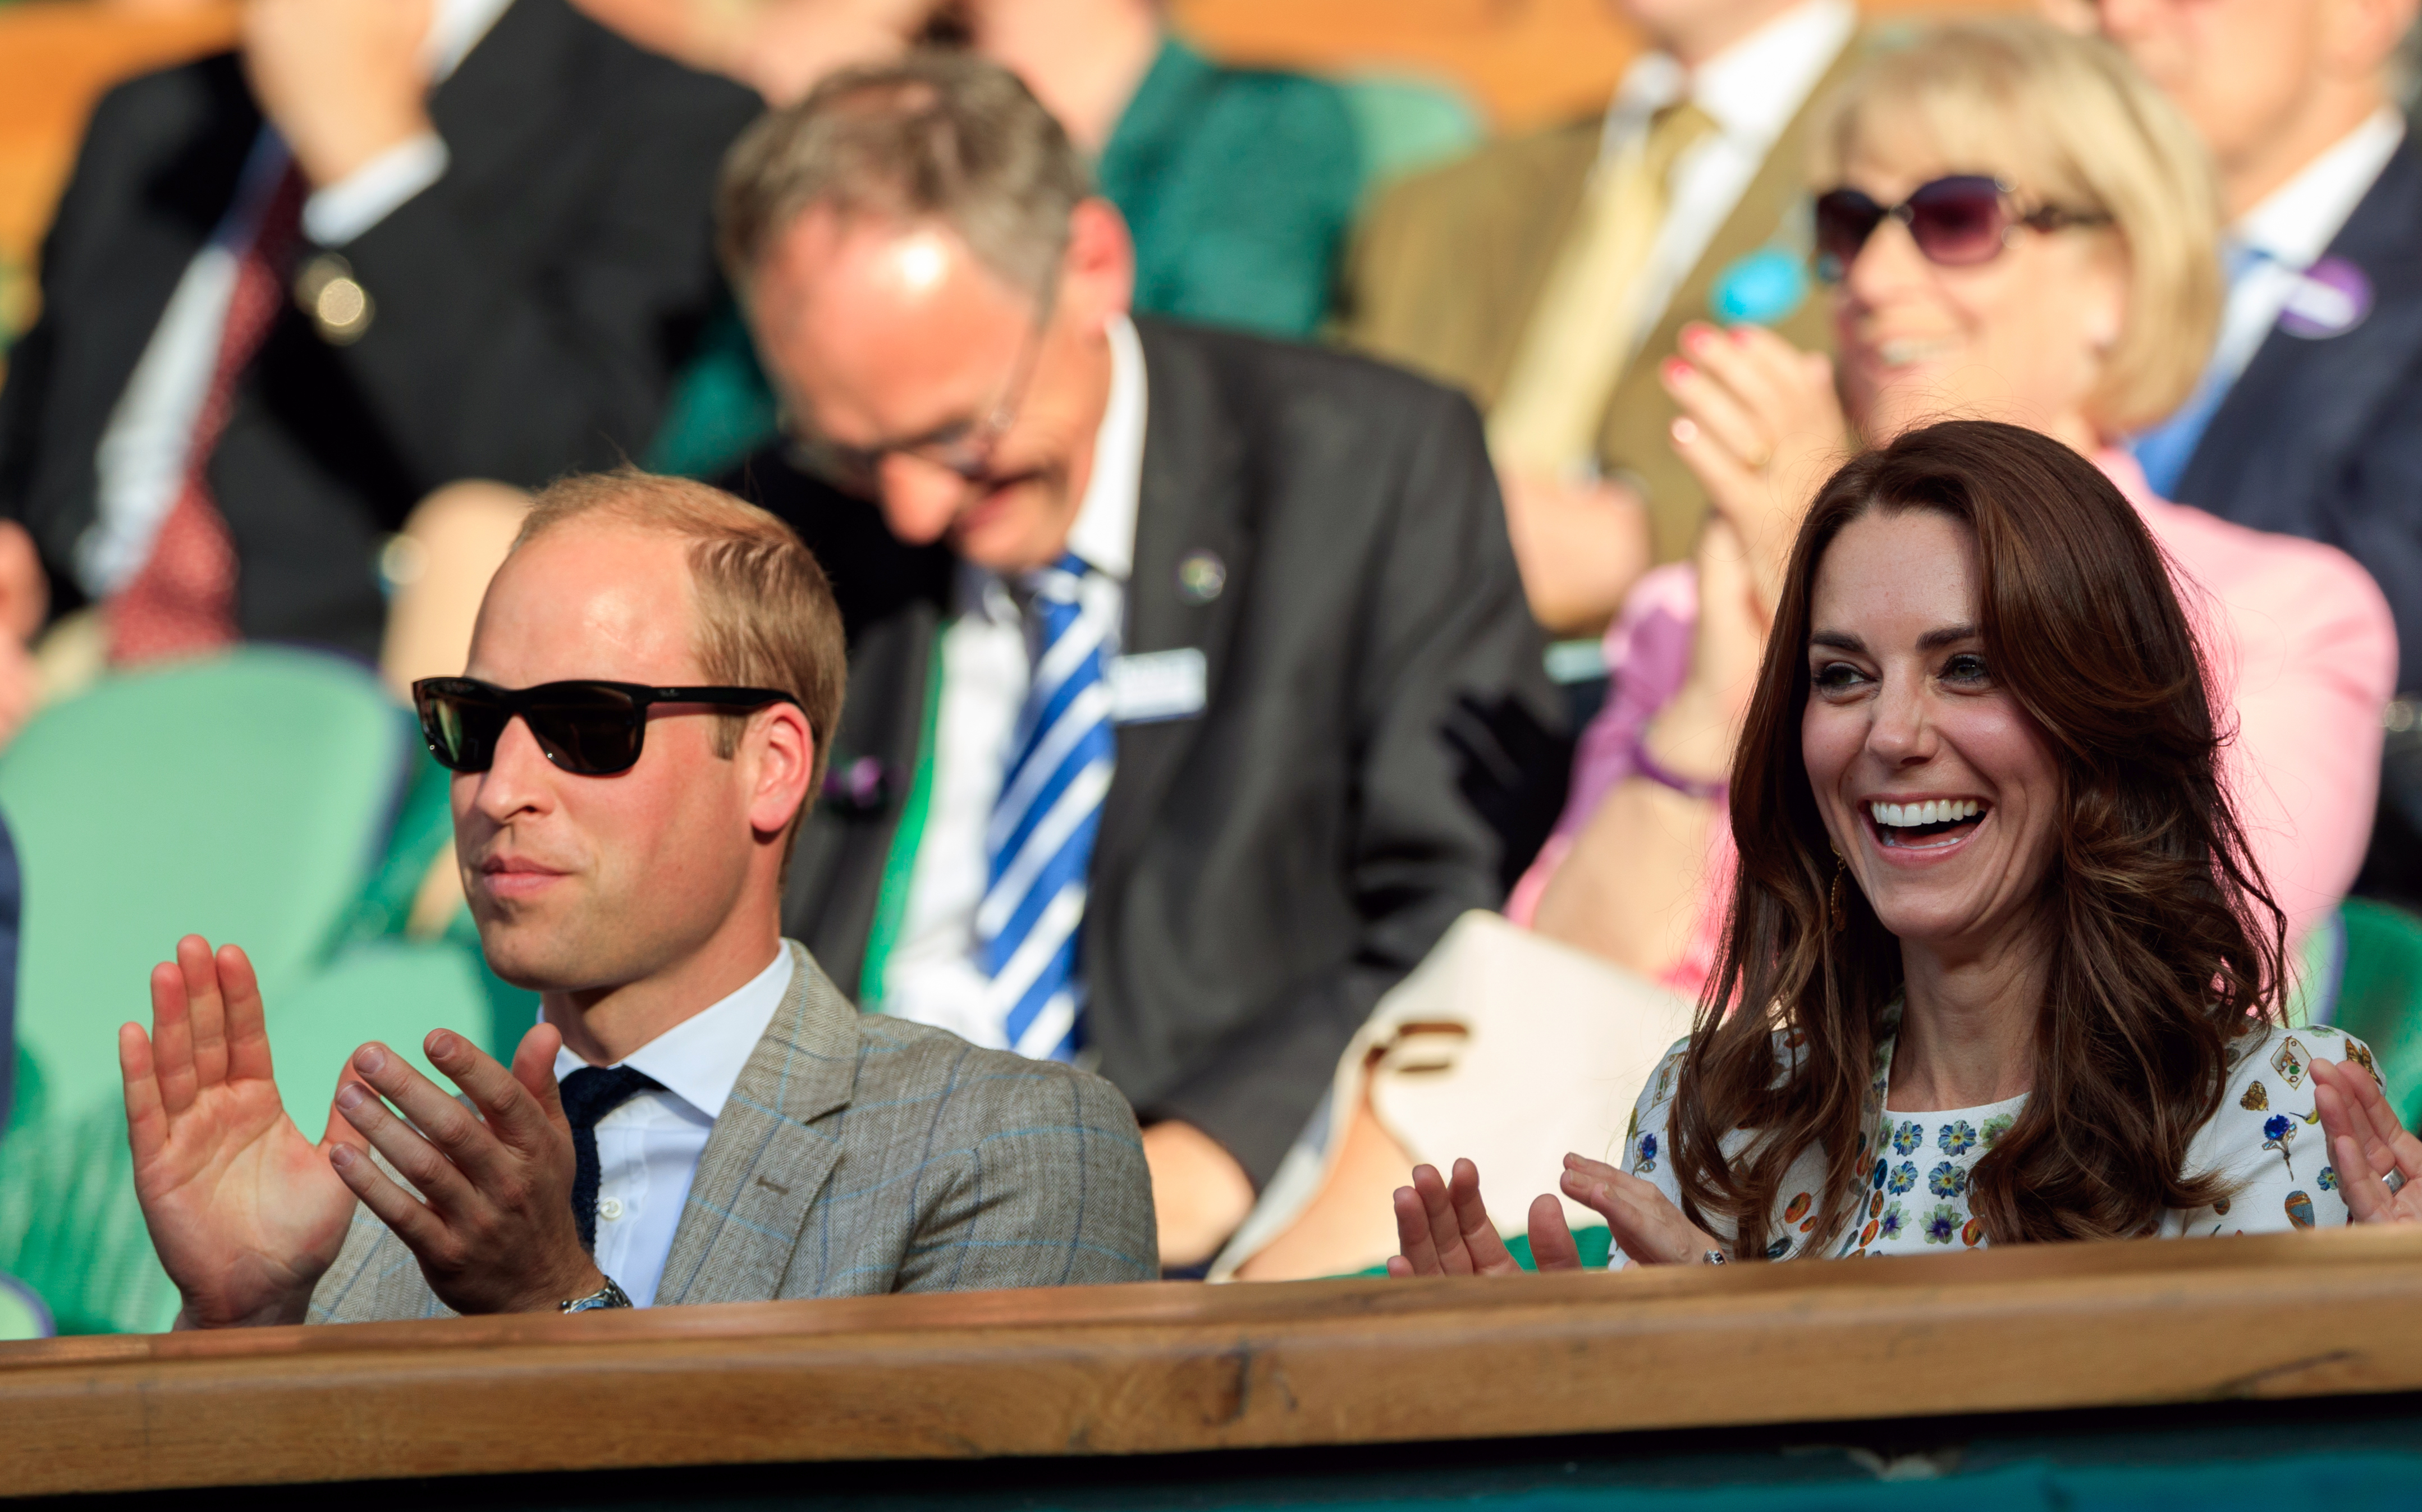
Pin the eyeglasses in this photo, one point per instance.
(965, 448)
(1956, 222)
(594, 729)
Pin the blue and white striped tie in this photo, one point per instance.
(1041, 840)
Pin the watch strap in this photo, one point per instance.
(607, 1295)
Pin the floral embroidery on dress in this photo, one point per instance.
(1904, 1177)
(1942, 1224)
(1892, 1222)
(2328, 1179)
(1947, 1180)
(2278, 1132)
(1907, 1138)
(1996, 1126)
(1957, 1139)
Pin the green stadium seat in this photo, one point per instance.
(2380, 995)
(247, 798)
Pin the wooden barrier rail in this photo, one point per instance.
(1167, 1368)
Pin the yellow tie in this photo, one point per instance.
(1582, 332)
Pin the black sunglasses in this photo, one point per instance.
(591, 728)
(1958, 222)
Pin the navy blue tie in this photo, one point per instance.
(589, 1094)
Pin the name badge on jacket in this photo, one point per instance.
(1158, 686)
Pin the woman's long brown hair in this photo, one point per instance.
(2163, 937)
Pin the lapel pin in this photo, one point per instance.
(2330, 298)
(1200, 576)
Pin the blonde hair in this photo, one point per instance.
(2068, 121)
(764, 613)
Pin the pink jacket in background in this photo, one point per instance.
(2302, 651)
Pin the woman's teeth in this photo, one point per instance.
(1910, 815)
(1905, 353)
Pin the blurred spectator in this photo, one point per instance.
(2080, 300)
(292, 289)
(1194, 687)
(1237, 186)
(2308, 420)
(1547, 273)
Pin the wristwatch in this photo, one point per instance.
(604, 1297)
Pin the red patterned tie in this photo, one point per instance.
(182, 603)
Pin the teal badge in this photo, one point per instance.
(1759, 290)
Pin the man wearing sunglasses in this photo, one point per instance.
(2310, 419)
(700, 1115)
(1193, 692)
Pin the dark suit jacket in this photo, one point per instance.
(2323, 438)
(529, 308)
(1380, 747)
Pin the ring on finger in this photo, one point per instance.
(2396, 1180)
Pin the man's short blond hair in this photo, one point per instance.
(765, 612)
(2064, 120)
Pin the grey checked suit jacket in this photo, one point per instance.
(862, 1155)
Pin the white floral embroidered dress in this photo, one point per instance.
(1916, 1167)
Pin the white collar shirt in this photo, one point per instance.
(649, 1148)
(2291, 230)
(932, 974)
(140, 465)
(1751, 90)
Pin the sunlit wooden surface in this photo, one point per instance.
(1181, 1367)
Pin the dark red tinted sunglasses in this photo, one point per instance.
(594, 729)
(1958, 221)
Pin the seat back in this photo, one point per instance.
(2379, 996)
(242, 798)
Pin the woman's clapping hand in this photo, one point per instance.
(1442, 1228)
(2379, 1163)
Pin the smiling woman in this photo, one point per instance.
(1996, 926)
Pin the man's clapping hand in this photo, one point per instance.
(245, 1210)
(492, 1225)
(248, 1213)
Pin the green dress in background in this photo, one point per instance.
(1240, 186)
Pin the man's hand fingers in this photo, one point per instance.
(512, 1115)
(205, 1009)
(440, 1181)
(534, 1068)
(247, 1023)
(411, 1220)
(146, 1122)
(172, 1038)
(1551, 1237)
(469, 1145)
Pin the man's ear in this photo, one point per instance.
(780, 754)
(1098, 278)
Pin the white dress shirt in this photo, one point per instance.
(648, 1149)
(2291, 229)
(933, 975)
(1751, 90)
(141, 461)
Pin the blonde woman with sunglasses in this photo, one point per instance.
(2012, 226)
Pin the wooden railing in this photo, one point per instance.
(1166, 1368)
